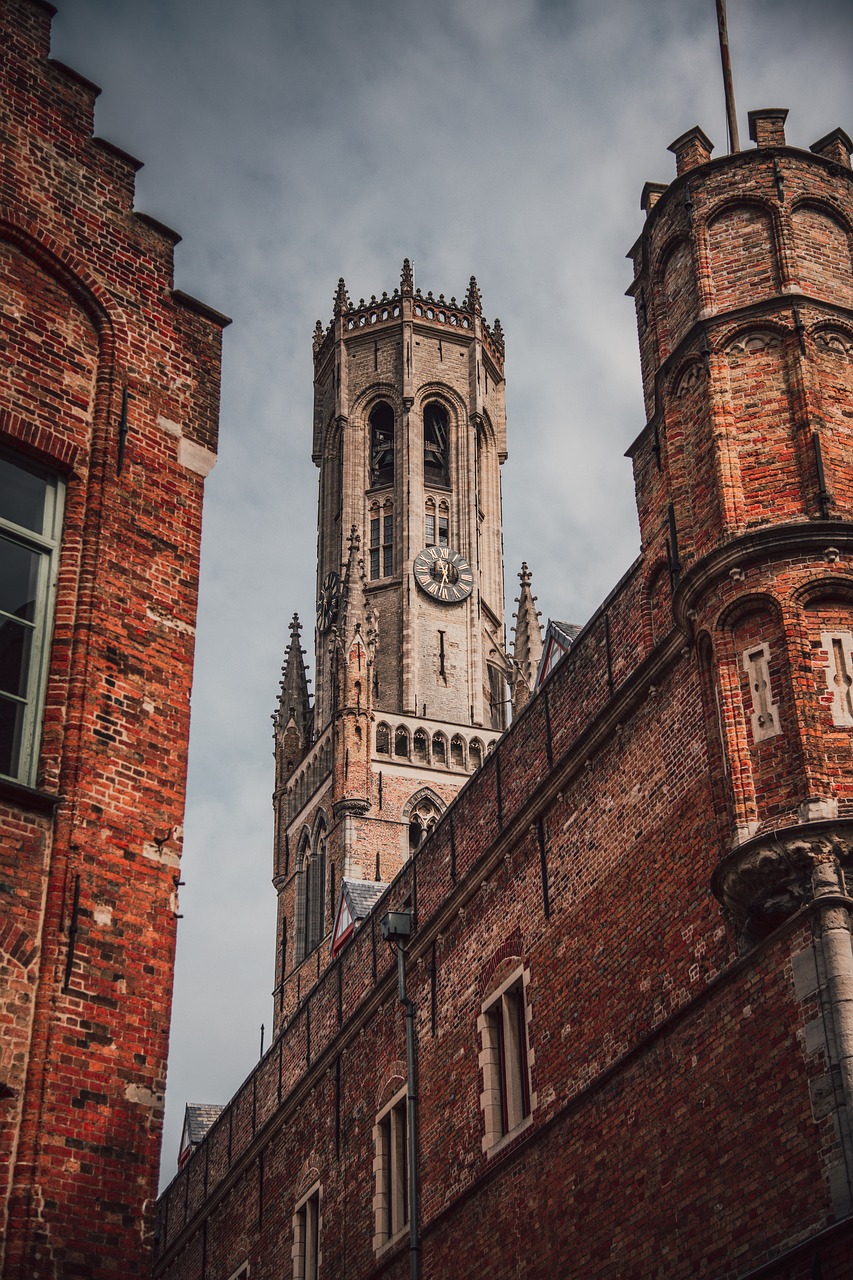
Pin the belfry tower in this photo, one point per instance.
(410, 666)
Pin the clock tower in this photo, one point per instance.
(410, 667)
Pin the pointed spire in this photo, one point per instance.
(527, 649)
(341, 298)
(407, 279)
(498, 333)
(294, 703)
(473, 301)
(353, 611)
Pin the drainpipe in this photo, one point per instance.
(396, 926)
(836, 951)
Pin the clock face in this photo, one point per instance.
(328, 601)
(443, 574)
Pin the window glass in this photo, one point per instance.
(29, 509)
(23, 494)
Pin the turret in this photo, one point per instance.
(744, 294)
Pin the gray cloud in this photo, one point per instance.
(292, 142)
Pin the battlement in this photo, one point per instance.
(409, 303)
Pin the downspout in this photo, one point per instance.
(411, 1116)
(835, 950)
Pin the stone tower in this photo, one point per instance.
(109, 387)
(410, 666)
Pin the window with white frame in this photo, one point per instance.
(505, 1060)
(306, 1237)
(390, 1163)
(30, 525)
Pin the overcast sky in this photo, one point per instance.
(293, 141)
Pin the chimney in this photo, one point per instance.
(767, 126)
(835, 146)
(693, 148)
(650, 195)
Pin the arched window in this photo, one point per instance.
(439, 748)
(383, 740)
(457, 752)
(401, 742)
(423, 813)
(475, 753)
(420, 744)
(436, 444)
(381, 444)
(311, 895)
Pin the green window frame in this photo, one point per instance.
(31, 506)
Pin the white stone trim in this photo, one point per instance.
(764, 717)
(195, 457)
(838, 646)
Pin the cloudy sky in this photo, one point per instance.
(294, 141)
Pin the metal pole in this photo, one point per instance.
(728, 87)
(411, 1117)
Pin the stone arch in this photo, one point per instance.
(458, 752)
(440, 751)
(476, 752)
(402, 742)
(420, 814)
(383, 739)
(743, 233)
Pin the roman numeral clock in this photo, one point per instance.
(443, 574)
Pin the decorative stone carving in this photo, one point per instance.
(836, 341)
(693, 377)
(752, 342)
(769, 877)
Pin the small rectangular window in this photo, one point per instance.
(30, 523)
(391, 1199)
(443, 531)
(505, 1062)
(430, 530)
(306, 1237)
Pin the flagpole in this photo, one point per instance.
(728, 88)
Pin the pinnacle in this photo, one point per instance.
(294, 702)
(474, 301)
(341, 298)
(407, 279)
(527, 647)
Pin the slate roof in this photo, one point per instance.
(568, 630)
(199, 1117)
(363, 895)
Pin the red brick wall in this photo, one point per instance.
(89, 312)
(685, 1117)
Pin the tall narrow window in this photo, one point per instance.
(387, 544)
(391, 1199)
(306, 1237)
(436, 444)
(497, 697)
(381, 444)
(30, 522)
(506, 1098)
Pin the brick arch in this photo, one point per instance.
(507, 955)
(682, 379)
(743, 248)
(41, 444)
(676, 295)
(309, 1173)
(393, 1081)
(832, 586)
(19, 945)
(744, 605)
(72, 275)
(823, 245)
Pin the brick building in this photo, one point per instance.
(108, 425)
(630, 960)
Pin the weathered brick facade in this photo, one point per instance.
(109, 404)
(650, 869)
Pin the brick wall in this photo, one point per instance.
(90, 853)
